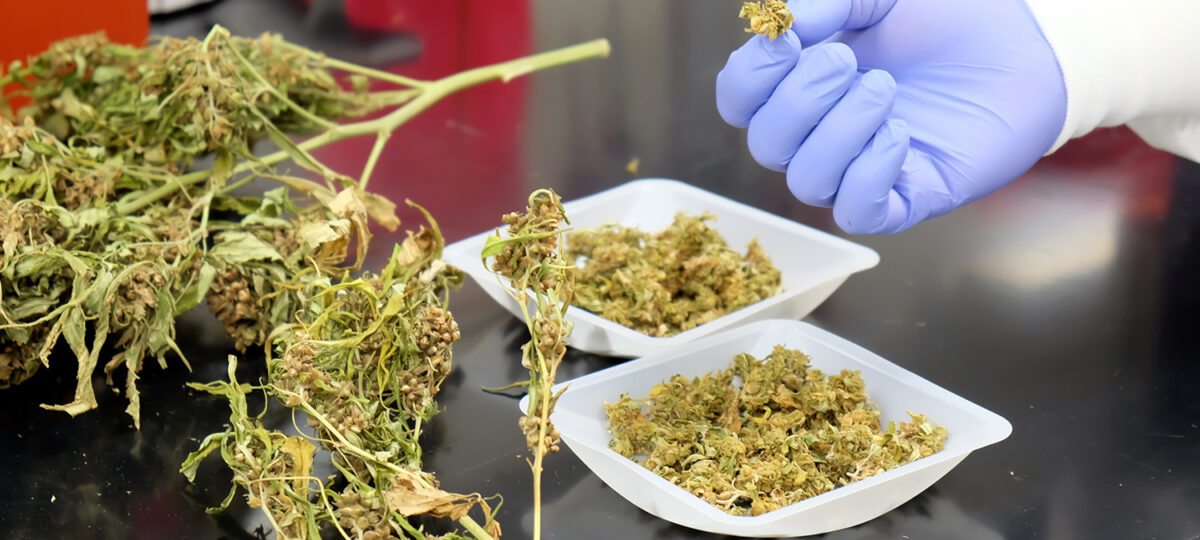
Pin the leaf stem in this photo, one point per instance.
(380, 141)
(474, 528)
(361, 70)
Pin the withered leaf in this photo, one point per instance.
(411, 499)
(241, 247)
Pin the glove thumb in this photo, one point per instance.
(816, 20)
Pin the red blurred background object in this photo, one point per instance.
(1146, 174)
(31, 26)
(462, 158)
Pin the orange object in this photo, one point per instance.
(30, 26)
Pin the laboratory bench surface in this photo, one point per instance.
(1066, 302)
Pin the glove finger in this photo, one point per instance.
(819, 80)
(867, 202)
(816, 20)
(752, 73)
(816, 169)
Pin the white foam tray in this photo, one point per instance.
(579, 417)
(813, 263)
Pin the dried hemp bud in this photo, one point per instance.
(769, 18)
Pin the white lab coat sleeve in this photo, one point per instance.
(1135, 63)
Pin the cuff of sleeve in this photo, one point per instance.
(1066, 24)
(1177, 134)
(1122, 62)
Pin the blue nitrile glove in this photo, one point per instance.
(914, 108)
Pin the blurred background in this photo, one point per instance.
(1065, 302)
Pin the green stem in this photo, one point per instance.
(385, 98)
(539, 390)
(229, 188)
(171, 186)
(474, 528)
(212, 33)
(431, 93)
(504, 71)
(355, 68)
(380, 141)
(543, 426)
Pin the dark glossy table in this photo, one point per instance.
(1066, 302)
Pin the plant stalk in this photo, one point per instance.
(430, 93)
(474, 528)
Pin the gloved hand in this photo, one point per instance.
(914, 108)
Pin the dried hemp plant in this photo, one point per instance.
(529, 256)
(109, 230)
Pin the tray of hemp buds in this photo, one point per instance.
(660, 263)
(777, 428)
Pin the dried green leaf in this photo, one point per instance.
(302, 457)
(192, 463)
(410, 499)
(348, 204)
(74, 330)
(315, 234)
(242, 247)
(106, 74)
(42, 148)
(223, 165)
(192, 295)
(495, 243)
(224, 502)
(383, 211)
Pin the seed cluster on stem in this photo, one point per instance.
(531, 258)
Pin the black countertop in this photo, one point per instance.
(1066, 302)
